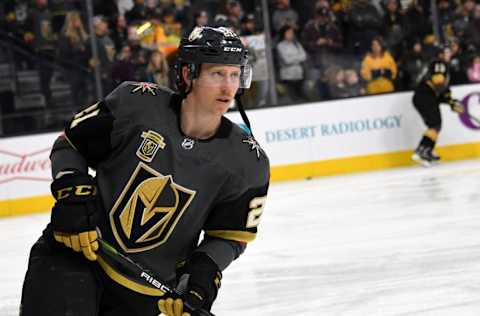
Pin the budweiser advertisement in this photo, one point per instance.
(25, 169)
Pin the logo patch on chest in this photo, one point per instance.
(148, 209)
(152, 141)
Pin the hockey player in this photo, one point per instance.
(168, 166)
(433, 90)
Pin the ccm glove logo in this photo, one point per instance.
(232, 49)
(79, 190)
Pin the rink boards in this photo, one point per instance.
(316, 139)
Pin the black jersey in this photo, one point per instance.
(160, 189)
(436, 70)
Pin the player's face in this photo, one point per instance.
(217, 85)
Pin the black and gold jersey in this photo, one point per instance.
(436, 81)
(160, 189)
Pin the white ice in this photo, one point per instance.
(398, 242)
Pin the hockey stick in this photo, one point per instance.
(145, 275)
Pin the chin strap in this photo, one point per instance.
(241, 109)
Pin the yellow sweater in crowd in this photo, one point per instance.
(380, 84)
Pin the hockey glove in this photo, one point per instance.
(73, 215)
(456, 106)
(201, 289)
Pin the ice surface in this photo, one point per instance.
(397, 242)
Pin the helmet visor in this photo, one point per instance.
(246, 77)
(218, 75)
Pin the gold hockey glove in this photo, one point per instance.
(172, 307)
(74, 214)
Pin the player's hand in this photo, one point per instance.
(74, 213)
(202, 281)
(457, 107)
(172, 307)
(85, 242)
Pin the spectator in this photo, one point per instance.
(151, 35)
(157, 69)
(336, 83)
(105, 8)
(173, 29)
(153, 7)
(291, 56)
(379, 69)
(417, 23)
(200, 18)
(414, 62)
(249, 27)
(119, 32)
(283, 14)
(472, 35)
(462, 17)
(458, 73)
(44, 41)
(322, 40)
(138, 52)
(123, 68)
(326, 4)
(363, 23)
(138, 13)
(74, 55)
(353, 84)
(106, 53)
(473, 71)
(257, 95)
(446, 10)
(231, 16)
(394, 32)
(14, 20)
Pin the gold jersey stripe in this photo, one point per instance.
(232, 235)
(124, 281)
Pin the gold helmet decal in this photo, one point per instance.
(148, 209)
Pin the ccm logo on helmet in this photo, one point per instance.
(232, 49)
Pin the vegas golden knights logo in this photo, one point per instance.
(148, 209)
(149, 146)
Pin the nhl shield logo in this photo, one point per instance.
(148, 210)
(188, 143)
(152, 141)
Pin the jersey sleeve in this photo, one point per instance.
(237, 219)
(89, 131)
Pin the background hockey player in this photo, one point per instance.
(433, 90)
(168, 166)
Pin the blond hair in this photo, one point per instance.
(76, 36)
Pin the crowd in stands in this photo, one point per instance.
(322, 49)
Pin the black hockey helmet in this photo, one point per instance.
(212, 45)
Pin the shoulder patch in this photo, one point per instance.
(145, 87)
(254, 146)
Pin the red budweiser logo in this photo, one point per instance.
(33, 166)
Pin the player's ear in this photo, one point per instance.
(186, 76)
